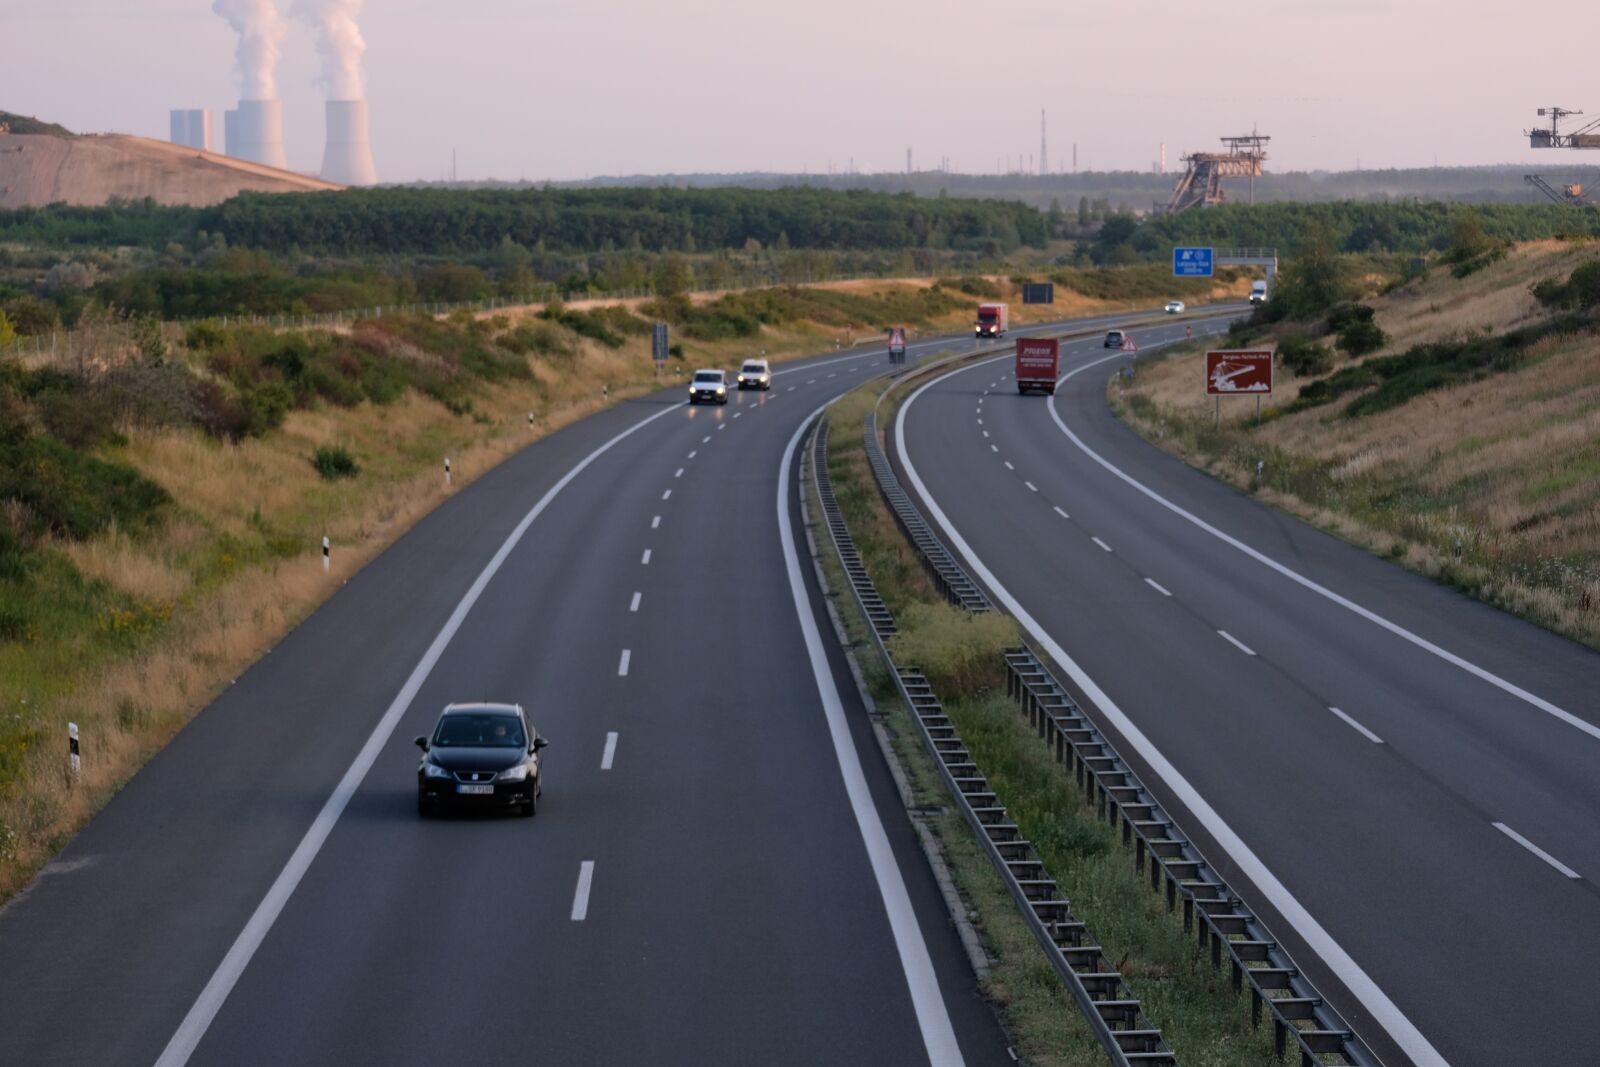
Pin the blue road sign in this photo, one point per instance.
(1191, 263)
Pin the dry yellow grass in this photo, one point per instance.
(1506, 467)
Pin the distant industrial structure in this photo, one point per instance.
(1201, 184)
(1583, 137)
(347, 159)
(192, 128)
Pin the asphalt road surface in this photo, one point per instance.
(720, 871)
(1402, 781)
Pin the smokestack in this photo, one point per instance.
(348, 158)
(1163, 157)
(230, 133)
(260, 132)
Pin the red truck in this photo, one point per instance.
(1038, 364)
(992, 320)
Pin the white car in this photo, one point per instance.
(708, 385)
(755, 374)
(1174, 307)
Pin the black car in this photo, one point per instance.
(480, 754)
(1114, 338)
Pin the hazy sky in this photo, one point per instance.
(566, 88)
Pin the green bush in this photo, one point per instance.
(1346, 315)
(72, 495)
(1580, 290)
(334, 462)
(1304, 357)
(1360, 338)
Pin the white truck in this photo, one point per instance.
(1258, 292)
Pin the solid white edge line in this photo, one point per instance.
(204, 1010)
(635, 605)
(1101, 543)
(610, 753)
(644, 560)
(580, 896)
(1385, 1013)
(1323, 591)
(1537, 851)
(1236, 643)
(1357, 727)
(1157, 586)
(938, 1035)
(622, 664)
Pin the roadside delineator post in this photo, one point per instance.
(72, 749)
(447, 471)
(325, 555)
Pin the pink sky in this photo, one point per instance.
(564, 88)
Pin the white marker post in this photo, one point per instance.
(447, 471)
(530, 420)
(605, 392)
(325, 555)
(72, 749)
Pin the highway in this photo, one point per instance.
(1396, 777)
(720, 871)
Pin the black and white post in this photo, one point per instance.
(447, 471)
(72, 749)
(325, 560)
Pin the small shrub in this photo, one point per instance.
(1344, 316)
(959, 653)
(1304, 357)
(1360, 338)
(334, 462)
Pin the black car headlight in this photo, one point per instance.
(433, 770)
(519, 773)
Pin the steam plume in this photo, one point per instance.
(340, 42)
(260, 31)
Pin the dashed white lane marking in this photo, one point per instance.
(986, 433)
(610, 752)
(1101, 543)
(1031, 486)
(1357, 727)
(811, 381)
(722, 426)
(1536, 850)
(655, 522)
(678, 473)
(1009, 467)
(994, 448)
(1063, 514)
(1236, 643)
(835, 375)
(644, 561)
(790, 389)
(580, 899)
(736, 414)
(695, 453)
(667, 495)
(706, 440)
(980, 422)
(1157, 586)
(622, 664)
(634, 604)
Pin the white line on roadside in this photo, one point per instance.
(655, 522)
(834, 375)
(986, 433)
(980, 422)
(644, 561)
(790, 389)
(1031, 486)
(695, 453)
(580, 899)
(1357, 727)
(722, 426)
(622, 664)
(927, 1000)
(995, 449)
(1236, 643)
(678, 473)
(706, 440)
(736, 414)
(1157, 586)
(811, 381)
(1063, 514)
(1009, 467)
(206, 1006)
(1536, 850)
(634, 604)
(1101, 543)
(667, 495)
(611, 751)
(1323, 591)
(1385, 1013)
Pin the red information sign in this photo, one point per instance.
(1236, 373)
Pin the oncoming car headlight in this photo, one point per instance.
(513, 774)
(433, 770)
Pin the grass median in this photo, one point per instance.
(1206, 1023)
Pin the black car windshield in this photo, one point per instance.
(988, 316)
(709, 376)
(468, 730)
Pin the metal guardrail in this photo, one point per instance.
(1116, 1018)
(1223, 925)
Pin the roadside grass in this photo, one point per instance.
(130, 629)
(1490, 486)
(1205, 1022)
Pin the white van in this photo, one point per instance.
(1258, 292)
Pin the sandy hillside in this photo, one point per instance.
(36, 170)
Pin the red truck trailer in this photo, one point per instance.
(992, 320)
(1038, 364)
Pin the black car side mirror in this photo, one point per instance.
(422, 743)
(538, 743)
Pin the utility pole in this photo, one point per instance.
(1044, 146)
(1074, 157)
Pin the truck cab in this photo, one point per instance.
(1258, 292)
(992, 320)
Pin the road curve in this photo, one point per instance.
(1395, 775)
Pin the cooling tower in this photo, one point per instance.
(348, 158)
(230, 133)
(180, 127)
(192, 128)
(260, 132)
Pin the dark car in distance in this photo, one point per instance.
(483, 755)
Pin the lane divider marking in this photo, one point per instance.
(1357, 727)
(634, 606)
(622, 665)
(1101, 543)
(644, 560)
(580, 898)
(1236, 643)
(1537, 851)
(1157, 586)
(610, 753)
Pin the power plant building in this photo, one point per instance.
(258, 131)
(192, 128)
(348, 156)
